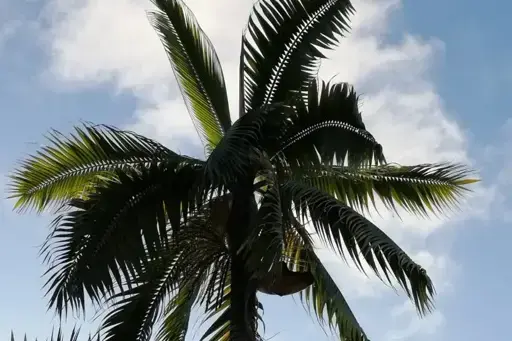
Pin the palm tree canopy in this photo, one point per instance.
(149, 233)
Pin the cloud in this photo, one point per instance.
(94, 42)
(406, 324)
(413, 327)
(7, 31)
(131, 57)
(495, 159)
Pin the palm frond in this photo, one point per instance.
(205, 280)
(298, 240)
(328, 129)
(281, 46)
(108, 236)
(69, 165)
(329, 304)
(196, 67)
(419, 189)
(220, 329)
(324, 296)
(241, 152)
(136, 309)
(140, 307)
(177, 313)
(264, 246)
(347, 231)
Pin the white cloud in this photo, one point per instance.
(495, 159)
(94, 41)
(413, 327)
(126, 52)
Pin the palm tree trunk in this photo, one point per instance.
(243, 302)
(243, 291)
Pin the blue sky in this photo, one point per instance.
(435, 78)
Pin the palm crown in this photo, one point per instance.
(152, 233)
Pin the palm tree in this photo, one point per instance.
(150, 233)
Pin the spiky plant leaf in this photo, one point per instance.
(265, 244)
(107, 237)
(346, 231)
(328, 129)
(241, 152)
(323, 298)
(196, 67)
(329, 304)
(189, 261)
(204, 269)
(420, 189)
(177, 312)
(220, 329)
(69, 165)
(281, 47)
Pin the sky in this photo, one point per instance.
(435, 79)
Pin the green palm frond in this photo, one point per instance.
(196, 66)
(324, 296)
(136, 309)
(328, 128)
(205, 276)
(177, 312)
(419, 189)
(240, 153)
(191, 262)
(298, 239)
(329, 304)
(264, 246)
(107, 237)
(177, 315)
(220, 329)
(281, 46)
(346, 231)
(68, 166)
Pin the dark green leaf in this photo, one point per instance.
(419, 189)
(69, 166)
(105, 238)
(281, 46)
(330, 305)
(178, 273)
(177, 315)
(345, 230)
(196, 66)
(241, 152)
(328, 129)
